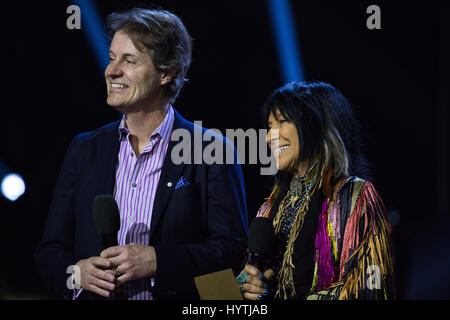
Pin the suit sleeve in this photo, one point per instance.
(55, 253)
(225, 243)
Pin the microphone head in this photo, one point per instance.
(106, 214)
(261, 238)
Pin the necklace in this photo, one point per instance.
(289, 221)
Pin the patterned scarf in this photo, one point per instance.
(289, 220)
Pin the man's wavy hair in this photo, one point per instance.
(163, 36)
(326, 127)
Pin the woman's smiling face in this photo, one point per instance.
(283, 140)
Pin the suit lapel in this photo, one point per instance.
(170, 173)
(106, 169)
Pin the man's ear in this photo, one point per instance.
(167, 76)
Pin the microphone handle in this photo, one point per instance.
(261, 262)
(109, 240)
(257, 260)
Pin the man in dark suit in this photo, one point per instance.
(178, 221)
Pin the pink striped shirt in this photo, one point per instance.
(135, 189)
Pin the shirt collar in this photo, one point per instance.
(163, 131)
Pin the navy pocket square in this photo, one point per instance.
(182, 182)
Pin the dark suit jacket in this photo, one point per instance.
(197, 229)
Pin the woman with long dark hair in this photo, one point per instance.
(332, 234)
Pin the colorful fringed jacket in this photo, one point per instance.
(352, 253)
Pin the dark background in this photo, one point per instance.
(397, 78)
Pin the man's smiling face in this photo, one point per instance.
(131, 77)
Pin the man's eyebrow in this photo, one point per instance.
(125, 55)
(129, 55)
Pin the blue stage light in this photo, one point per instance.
(92, 25)
(286, 40)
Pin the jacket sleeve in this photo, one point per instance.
(226, 235)
(54, 254)
(365, 263)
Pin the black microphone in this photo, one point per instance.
(107, 219)
(261, 243)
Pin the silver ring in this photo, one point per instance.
(116, 269)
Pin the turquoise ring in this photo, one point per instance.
(241, 278)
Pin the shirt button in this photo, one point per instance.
(133, 185)
(169, 184)
(131, 154)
